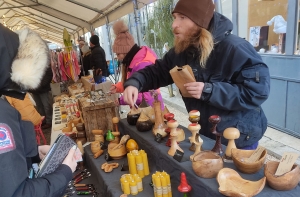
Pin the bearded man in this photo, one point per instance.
(231, 79)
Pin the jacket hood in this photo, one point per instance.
(220, 27)
(24, 59)
(145, 54)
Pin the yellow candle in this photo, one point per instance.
(145, 162)
(139, 165)
(122, 179)
(169, 184)
(164, 186)
(158, 186)
(139, 182)
(133, 187)
(131, 163)
(154, 186)
(126, 187)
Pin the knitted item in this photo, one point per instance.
(199, 11)
(124, 40)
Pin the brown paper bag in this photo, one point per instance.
(181, 76)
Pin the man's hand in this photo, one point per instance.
(130, 95)
(195, 89)
(43, 150)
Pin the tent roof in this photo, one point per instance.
(50, 17)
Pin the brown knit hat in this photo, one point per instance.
(124, 40)
(199, 11)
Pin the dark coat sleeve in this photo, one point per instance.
(250, 87)
(14, 181)
(153, 76)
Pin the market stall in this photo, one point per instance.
(159, 160)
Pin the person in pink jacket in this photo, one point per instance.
(133, 58)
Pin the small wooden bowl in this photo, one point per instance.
(284, 182)
(239, 159)
(207, 164)
(118, 153)
(232, 184)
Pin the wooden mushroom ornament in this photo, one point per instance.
(133, 115)
(143, 123)
(231, 134)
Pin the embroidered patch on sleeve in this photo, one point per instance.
(7, 142)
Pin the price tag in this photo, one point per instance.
(256, 154)
(286, 163)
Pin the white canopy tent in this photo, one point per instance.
(50, 17)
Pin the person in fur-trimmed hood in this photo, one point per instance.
(23, 62)
(133, 58)
(232, 81)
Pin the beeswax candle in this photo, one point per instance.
(133, 187)
(158, 186)
(145, 162)
(126, 187)
(131, 163)
(164, 186)
(139, 165)
(139, 182)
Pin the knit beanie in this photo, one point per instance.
(94, 40)
(124, 40)
(199, 11)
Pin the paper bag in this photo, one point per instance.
(181, 76)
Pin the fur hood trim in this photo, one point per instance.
(31, 61)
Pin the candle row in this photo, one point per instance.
(138, 163)
(161, 184)
(131, 184)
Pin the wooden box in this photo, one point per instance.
(98, 115)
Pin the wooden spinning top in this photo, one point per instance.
(194, 116)
(214, 120)
(231, 134)
(173, 124)
(194, 128)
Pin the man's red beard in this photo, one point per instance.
(191, 38)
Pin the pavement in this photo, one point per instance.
(276, 142)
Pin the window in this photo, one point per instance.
(263, 23)
(227, 8)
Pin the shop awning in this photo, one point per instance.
(50, 17)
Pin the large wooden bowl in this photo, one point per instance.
(239, 159)
(232, 184)
(207, 164)
(286, 181)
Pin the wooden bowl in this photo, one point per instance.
(284, 182)
(118, 153)
(207, 164)
(232, 184)
(239, 159)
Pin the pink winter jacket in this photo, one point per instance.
(144, 57)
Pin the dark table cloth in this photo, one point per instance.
(159, 160)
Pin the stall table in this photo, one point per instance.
(159, 160)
